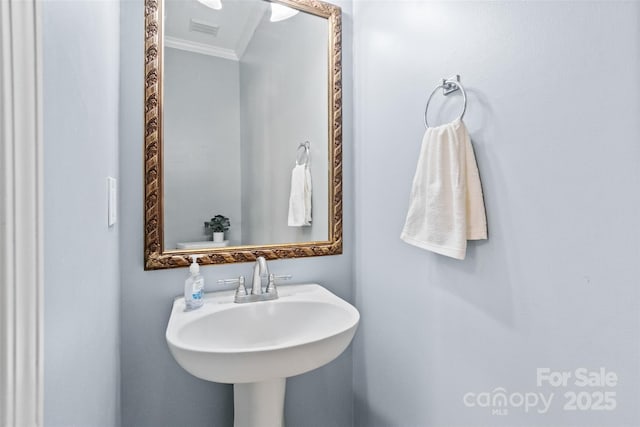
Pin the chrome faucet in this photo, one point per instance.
(260, 270)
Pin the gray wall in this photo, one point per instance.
(283, 102)
(556, 284)
(201, 145)
(155, 390)
(82, 291)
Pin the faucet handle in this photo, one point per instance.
(271, 287)
(240, 290)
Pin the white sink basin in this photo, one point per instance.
(261, 343)
(305, 328)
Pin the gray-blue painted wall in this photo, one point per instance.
(81, 276)
(155, 390)
(556, 284)
(295, 68)
(201, 107)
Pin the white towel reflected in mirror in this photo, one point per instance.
(300, 197)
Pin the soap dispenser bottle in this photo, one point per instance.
(194, 286)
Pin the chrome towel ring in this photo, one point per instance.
(303, 155)
(450, 85)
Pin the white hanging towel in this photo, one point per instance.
(300, 197)
(446, 207)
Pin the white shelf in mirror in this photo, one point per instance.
(202, 245)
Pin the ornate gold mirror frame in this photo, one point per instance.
(155, 256)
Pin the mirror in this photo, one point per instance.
(243, 130)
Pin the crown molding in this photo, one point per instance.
(202, 48)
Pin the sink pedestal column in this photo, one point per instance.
(259, 404)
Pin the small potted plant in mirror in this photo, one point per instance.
(218, 225)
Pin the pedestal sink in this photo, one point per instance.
(256, 346)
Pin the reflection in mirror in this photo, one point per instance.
(243, 130)
(244, 86)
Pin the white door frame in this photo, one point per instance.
(21, 217)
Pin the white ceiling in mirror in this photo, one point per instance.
(198, 27)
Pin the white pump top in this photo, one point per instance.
(194, 268)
